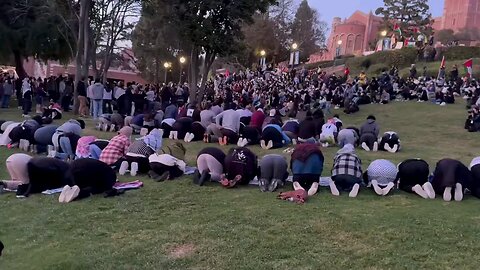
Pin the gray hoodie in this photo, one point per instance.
(71, 126)
(370, 127)
(97, 91)
(230, 119)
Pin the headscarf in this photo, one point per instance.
(154, 139)
(83, 146)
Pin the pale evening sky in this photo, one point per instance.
(328, 9)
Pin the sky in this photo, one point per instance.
(328, 9)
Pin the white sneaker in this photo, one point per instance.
(388, 188)
(313, 189)
(447, 194)
(105, 127)
(262, 144)
(240, 142)
(112, 128)
(354, 192)
(192, 136)
(270, 145)
(429, 190)
(458, 192)
(245, 142)
(377, 188)
(26, 146)
(419, 190)
(175, 135)
(297, 186)
(365, 147)
(375, 146)
(72, 194)
(443, 104)
(123, 168)
(170, 136)
(61, 198)
(388, 148)
(333, 188)
(134, 169)
(294, 142)
(185, 139)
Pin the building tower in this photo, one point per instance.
(461, 14)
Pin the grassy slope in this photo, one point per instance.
(244, 229)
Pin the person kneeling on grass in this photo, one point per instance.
(307, 166)
(451, 177)
(210, 163)
(117, 148)
(273, 172)
(475, 169)
(23, 134)
(139, 151)
(329, 133)
(273, 137)
(168, 163)
(390, 142)
(412, 177)
(369, 134)
(33, 175)
(346, 172)
(240, 167)
(88, 177)
(226, 127)
(381, 175)
(348, 136)
(307, 130)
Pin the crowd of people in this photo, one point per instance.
(270, 108)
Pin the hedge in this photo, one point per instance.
(458, 53)
(400, 58)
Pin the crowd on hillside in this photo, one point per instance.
(269, 108)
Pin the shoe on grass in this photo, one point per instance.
(205, 177)
(71, 194)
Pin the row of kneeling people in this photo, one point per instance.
(239, 166)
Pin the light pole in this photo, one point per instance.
(294, 55)
(166, 65)
(263, 53)
(182, 61)
(337, 52)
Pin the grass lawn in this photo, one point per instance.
(177, 225)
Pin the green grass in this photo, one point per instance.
(245, 229)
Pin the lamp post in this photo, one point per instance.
(182, 61)
(294, 55)
(337, 52)
(263, 53)
(166, 65)
(384, 34)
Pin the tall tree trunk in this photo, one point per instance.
(157, 71)
(19, 65)
(193, 72)
(209, 58)
(78, 56)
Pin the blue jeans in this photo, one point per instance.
(5, 101)
(97, 108)
(95, 152)
(66, 148)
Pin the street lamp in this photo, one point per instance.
(383, 33)
(166, 65)
(294, 46)
(263, 53)
(182, 61)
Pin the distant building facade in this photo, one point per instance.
(358, 32)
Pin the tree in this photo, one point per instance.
(33, 28)
(445, 36)
(307, 30)
(214, 29)
(410, 15)
(282, 15)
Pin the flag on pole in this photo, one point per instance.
(396, 28)
(469, 67)
(442, 64)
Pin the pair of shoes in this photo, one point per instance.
(123, 168)
(382, 191)
(365, 147)
(242, 142)
(201, 178)
(23, 191)
(24, 145)
(69, 194)
(267, 146)
(160, 177)
(113, 128)
(206, 138)
(223, 141)
(263, 184)
(173, 135)
(276, 183)
(189, 137)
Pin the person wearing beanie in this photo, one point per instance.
(346, 172)
(369, 134)
(117, 148)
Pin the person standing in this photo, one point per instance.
(26, 96)
(7, 92)
(97, 98)
(82, 98)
